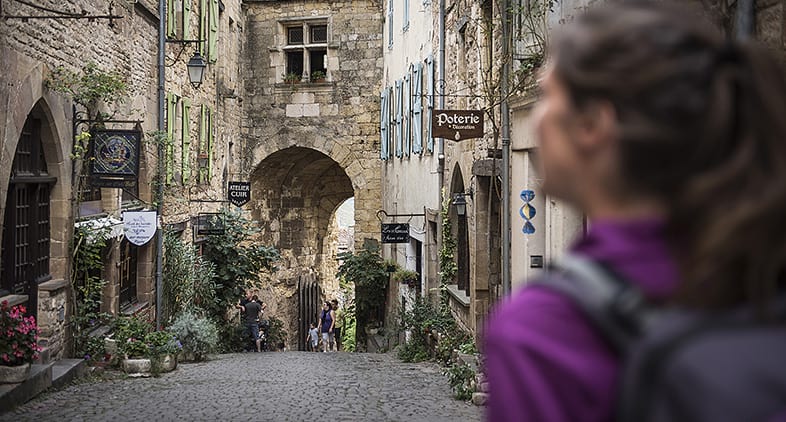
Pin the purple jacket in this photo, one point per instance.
(544, 361)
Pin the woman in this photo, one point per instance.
(672, 140)
(327, 320)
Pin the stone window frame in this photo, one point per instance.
(282, 47)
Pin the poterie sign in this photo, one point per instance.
(239, 193)
(139, 226)
(395, 233)
(457, 124)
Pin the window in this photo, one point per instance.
(306, 50)
(128, 272)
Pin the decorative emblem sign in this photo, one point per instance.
(115, 154)
(139, 226)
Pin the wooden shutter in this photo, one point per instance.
(204, 15)
(186, 19)
(171, 18)
(417, 109)
(406, 90)
(383, 125)
(212, 36)
(429, 102)
(203, 122)
(399, 106)
(185, 153)
(169, 154)
(210, 134)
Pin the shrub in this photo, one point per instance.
(198, 335)
(460, 378)
(18, 336)
(130, 332)
(161, 343)
(276, 335)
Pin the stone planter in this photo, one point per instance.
(145, 366)
(14, 374)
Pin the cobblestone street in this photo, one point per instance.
(290, 386)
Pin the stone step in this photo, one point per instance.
(66, 370)
(12, 395)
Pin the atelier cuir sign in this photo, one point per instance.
(457, 124)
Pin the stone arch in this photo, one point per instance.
(295, 192)
(461, 232)
(31, 98)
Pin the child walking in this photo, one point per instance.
(312, 340)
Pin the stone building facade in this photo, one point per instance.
(311, 72)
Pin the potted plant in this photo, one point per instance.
(407, 276)
(292, 78)
(162, 350)
(129, 334)
(317, 76)
(18, 343)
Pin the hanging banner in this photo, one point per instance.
(115, 157)
(457, 124)
(239, 193)
(139, 226)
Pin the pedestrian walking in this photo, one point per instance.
(251, 313)
(338, 324)
(326, 322)
(312, 339)
(672, 140)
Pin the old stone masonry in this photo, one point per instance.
(289, 386)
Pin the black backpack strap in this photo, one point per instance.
(614, 306)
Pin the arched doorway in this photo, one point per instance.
(461, 233)
(297, 192)
(26, 225)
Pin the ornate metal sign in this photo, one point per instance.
(457, 124)
(395, 233)
(239, 193)
(115, 156)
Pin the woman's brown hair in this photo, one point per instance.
(703, 128)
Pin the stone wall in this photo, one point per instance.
(307, 146)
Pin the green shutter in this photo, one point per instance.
(204, 15)
(213, 33)
(170, 141)
(211, 130)
(203, 130)
(186, 19)
(186, 141)
(171, 18)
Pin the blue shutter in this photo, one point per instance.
(406, 15)
(429, 101)
(406, 91)
(383, 125)
(399, 106)
(417, 110)
(390, 23)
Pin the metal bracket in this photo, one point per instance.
(397, 215)
(59, 14)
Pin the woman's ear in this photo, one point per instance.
(597, 126)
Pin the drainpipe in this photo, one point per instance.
(505, 118)
(161, 129)
(440, 141)
(745, 19)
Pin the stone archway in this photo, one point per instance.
(296, 191)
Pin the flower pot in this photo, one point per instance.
(14, 374)
(168, 363)
(136, 366)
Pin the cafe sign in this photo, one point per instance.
(457, 124)
(395, 233)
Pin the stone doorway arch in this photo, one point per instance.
(296, 192)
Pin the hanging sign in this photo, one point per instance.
(139, 226)
(239, 193)
(395, 233)
(115, 156)
(457, 124)
(209, 223)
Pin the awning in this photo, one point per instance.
(107, 227)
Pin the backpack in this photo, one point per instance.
(680, 364)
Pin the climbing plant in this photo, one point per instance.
(447, 252)
(367, 271)
(239, 260)
(188, 280)
(89, 86)
(88, 247)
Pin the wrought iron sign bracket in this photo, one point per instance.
(184, 43)
(394, 216)
(50, 13)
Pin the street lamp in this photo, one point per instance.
(460, 202)
(196, 69)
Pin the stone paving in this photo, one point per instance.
(288, 386)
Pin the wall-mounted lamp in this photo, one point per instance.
(460, 202)
(196, 69)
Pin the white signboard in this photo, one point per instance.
(140, 226)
